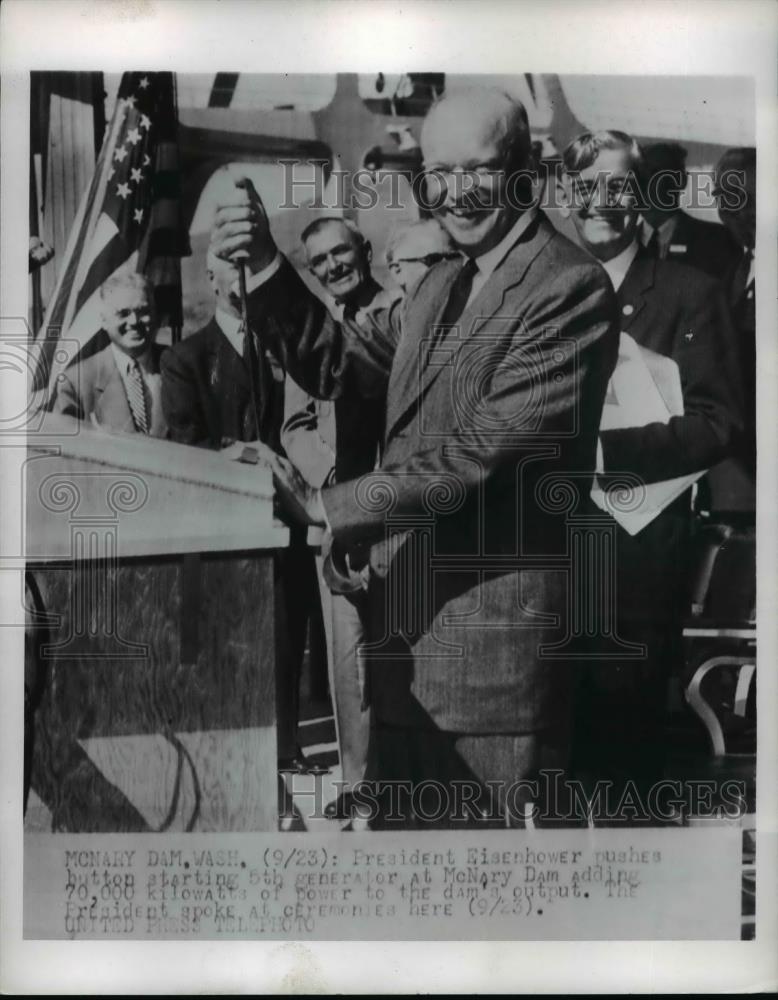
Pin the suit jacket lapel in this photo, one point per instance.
(486, 305)
(111, 407)
(227, 363)
(408, 361)
(631, 294)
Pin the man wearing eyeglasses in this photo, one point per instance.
(413, 248)
(494, 371)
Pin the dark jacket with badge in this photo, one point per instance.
(704, 245)
(681, 313)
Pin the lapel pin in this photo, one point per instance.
(628, 309)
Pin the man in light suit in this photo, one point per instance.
(679, 312)
(119, 387)
(495, 385)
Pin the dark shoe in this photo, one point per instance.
(341, 807)
(299, 764)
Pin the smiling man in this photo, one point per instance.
(679, 312)
(119, 388)
(464, 589)
(414, 247)
(331, 441)
(339, 257)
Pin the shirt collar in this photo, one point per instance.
(489, 261)
(124, 361)
(338, 309)
(230, 326)
(617, 267)
(664, 231)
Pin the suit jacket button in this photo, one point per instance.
(628, 309)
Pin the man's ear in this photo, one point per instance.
(368, 251)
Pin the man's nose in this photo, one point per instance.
(461, 185)
(598, 198)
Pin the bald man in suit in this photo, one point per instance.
(495, 369)
(119, 387)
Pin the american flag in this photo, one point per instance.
(129, 219)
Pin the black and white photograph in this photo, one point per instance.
(385, 477)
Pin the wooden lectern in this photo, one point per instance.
(153, 565)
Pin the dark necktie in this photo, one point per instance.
(460, 293)
(652, 247)
(136, 396)
(261, 380)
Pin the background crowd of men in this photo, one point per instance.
(417, 426)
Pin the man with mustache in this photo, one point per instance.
(494, 370)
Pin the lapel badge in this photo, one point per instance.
(678, 248)
(628, 309)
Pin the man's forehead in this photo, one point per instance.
(123, 297)
(610, 163)
(329, 235)
(462, 129)
(416, 243)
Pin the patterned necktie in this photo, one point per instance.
(136, 396)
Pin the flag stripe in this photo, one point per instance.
(130, 218)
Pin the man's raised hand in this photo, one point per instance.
(241, 230)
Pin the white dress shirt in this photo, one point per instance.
(488, 262)
(616, 268)
(664, 234)
(230, 326)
